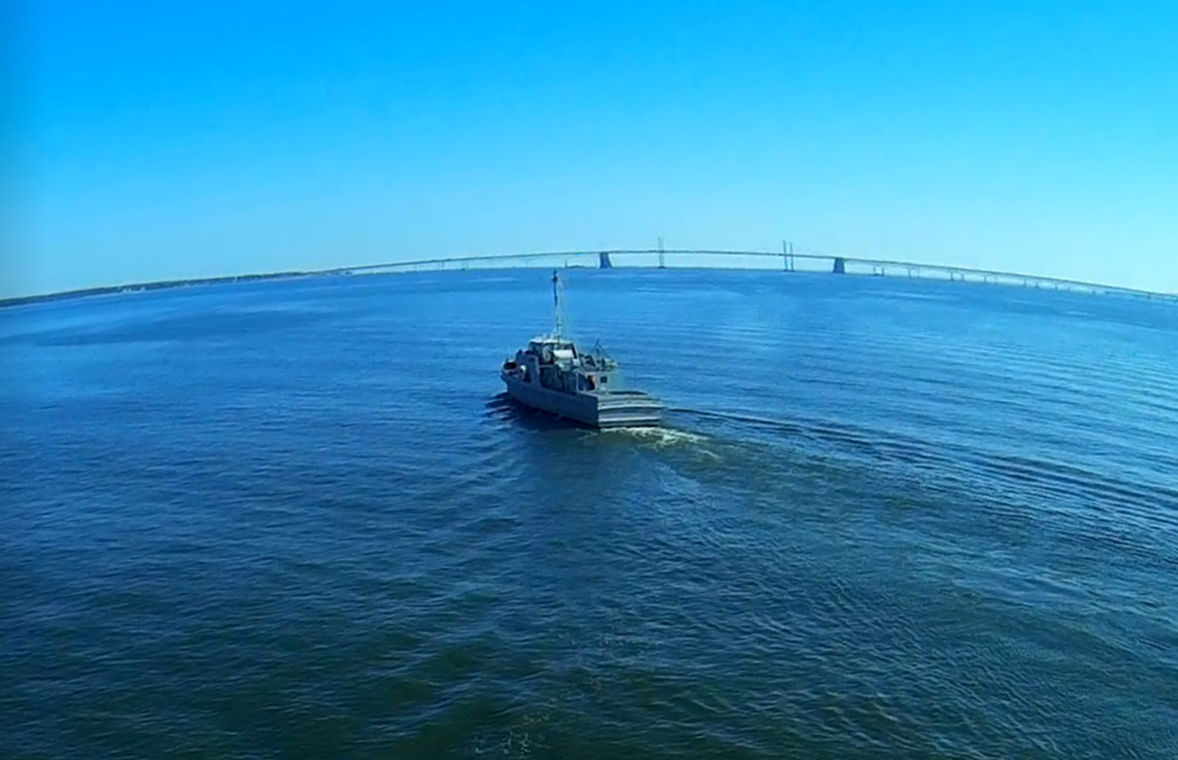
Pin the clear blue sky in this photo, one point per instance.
(156, 140)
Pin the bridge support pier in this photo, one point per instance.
(787, 256)
(840, 265)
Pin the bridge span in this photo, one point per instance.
(785, 260)
(659, 258)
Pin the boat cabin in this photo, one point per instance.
(556, 364)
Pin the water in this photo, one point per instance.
(296, 519)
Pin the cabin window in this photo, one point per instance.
(604, 379)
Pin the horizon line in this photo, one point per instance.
(442, 262)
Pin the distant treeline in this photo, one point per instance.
(136, 287)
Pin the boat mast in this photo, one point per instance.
(559, 327)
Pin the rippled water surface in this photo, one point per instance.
(297, 519)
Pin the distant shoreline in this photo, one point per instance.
(144, 286)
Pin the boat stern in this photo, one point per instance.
(618, 409)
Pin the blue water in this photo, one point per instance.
(297, 519)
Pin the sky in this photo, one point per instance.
(151, 140)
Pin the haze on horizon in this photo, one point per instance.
(155, 142)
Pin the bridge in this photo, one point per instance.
(785, 260)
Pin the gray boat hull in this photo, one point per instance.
(598, 409)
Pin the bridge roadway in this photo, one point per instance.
(810, 262)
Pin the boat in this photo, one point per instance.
(555, 376)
